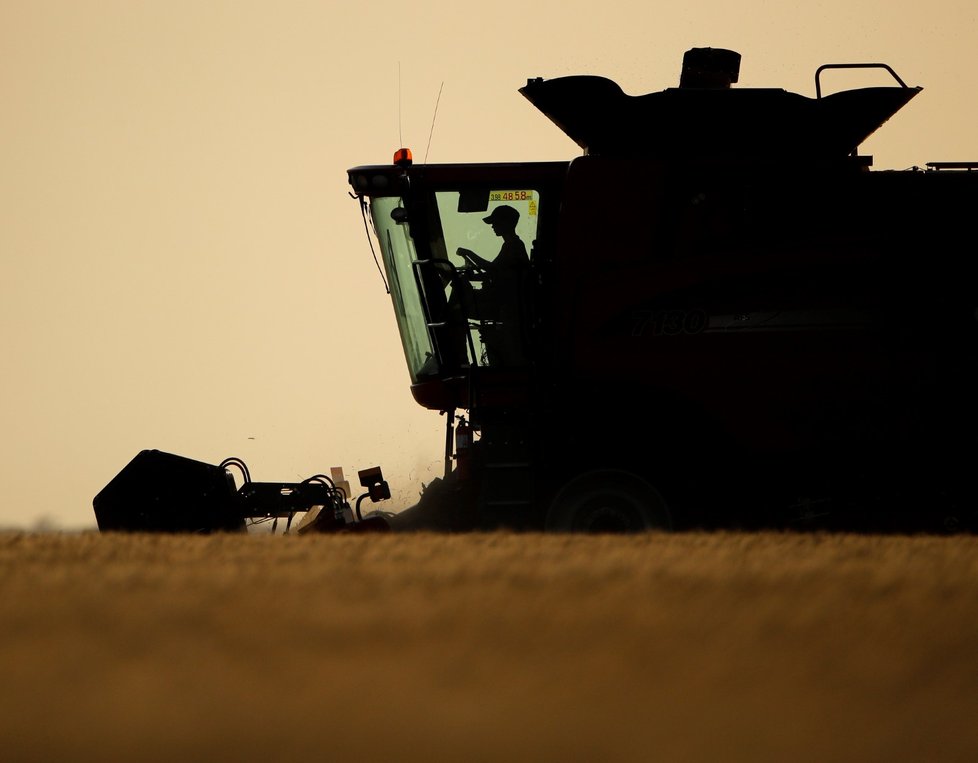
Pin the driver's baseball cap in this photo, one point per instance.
(503, 214)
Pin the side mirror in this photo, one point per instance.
(373, 480)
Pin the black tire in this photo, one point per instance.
(608, 501)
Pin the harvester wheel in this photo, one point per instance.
(608, 501)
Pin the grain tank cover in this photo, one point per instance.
(705, 116)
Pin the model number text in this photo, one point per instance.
(668, 322)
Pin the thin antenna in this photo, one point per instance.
(400, 135)
(437, 101)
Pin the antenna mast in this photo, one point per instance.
(433, 116)
(400, 135)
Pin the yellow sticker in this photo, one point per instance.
(511, 196)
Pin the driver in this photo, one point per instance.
(500, 301)
(512, 260)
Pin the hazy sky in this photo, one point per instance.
(182, 266)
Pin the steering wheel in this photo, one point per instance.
(471, 269)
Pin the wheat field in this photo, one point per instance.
(488, 647)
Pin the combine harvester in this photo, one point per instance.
(718, 315)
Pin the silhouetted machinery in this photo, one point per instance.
(718, 314)
(164, 492)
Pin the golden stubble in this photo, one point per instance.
(488, 646)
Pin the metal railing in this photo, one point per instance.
(819, 70)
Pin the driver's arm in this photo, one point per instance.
(469, 256)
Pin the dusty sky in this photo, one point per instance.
(182, 267)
